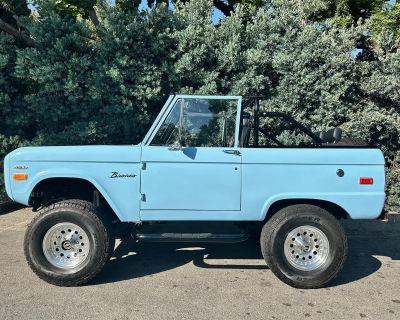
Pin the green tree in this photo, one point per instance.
(104, 87)
(15, 123)
(10, 13)
(386, 21)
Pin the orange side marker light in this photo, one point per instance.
(20, 176)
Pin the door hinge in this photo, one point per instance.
(143, 197)
(143, 165)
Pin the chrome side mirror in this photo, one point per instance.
(176, 146)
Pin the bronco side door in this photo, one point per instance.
(191, 163)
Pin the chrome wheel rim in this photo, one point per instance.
(306, 248)
(66, 245)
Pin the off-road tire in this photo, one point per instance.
(276, 230)
(82, 213)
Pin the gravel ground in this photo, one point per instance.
(224, 281)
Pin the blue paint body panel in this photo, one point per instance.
(206, 183)
(92, 163)
(192, 179)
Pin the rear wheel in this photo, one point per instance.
(68, 243)
(304, 246)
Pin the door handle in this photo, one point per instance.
(235, 152)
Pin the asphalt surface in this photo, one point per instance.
(224, 281)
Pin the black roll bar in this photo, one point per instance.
(257, 115)
(293, 121)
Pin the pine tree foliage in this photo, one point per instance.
(14, 124)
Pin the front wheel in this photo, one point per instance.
(304, 246)
(68, 243)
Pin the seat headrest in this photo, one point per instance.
(337, 134)
(331, 136)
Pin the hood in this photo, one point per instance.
(115, 154)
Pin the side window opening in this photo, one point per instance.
(196, 122)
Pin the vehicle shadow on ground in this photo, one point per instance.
(9, 207)
(363, 247)
(132, 260)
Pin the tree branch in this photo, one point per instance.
(93, 17)
(20, 35)
(225, 8)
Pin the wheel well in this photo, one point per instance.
(337, 211)
(56, 189)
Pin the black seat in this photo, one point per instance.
(331, 136)
(245, 134)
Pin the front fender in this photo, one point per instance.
(95, 164)
(21, 192)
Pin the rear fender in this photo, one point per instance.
(358, 205)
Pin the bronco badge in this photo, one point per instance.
(116, 174)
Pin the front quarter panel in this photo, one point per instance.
(121, 192)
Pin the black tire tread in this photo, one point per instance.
(85, 208)
(272, 224)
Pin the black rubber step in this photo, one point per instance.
(191, 237)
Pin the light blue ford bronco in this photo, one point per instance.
(210, 169)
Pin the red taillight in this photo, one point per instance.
(366, 181)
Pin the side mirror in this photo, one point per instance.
(176, 146)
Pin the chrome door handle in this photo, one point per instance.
(235, 152)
